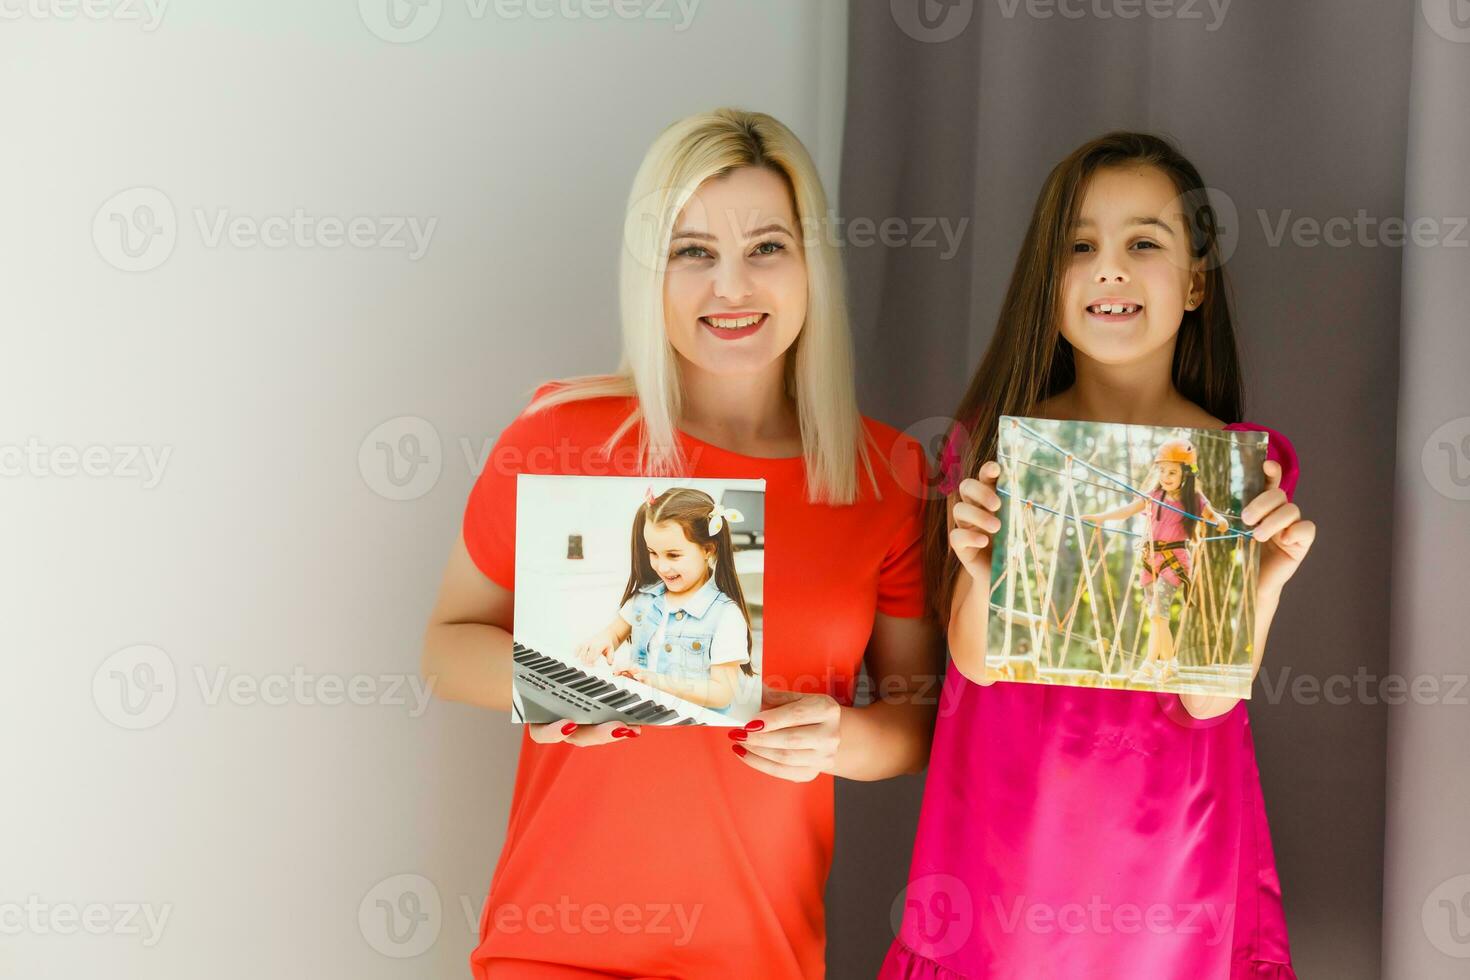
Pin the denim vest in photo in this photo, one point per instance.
(684, 652)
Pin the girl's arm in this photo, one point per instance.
(716, 692)
(1213, 516)
(1127, 510)
(608, 639)
(972, 522)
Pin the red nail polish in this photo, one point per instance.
(568, 728)
(624, 733)
(739, 735)
(739, 750)
(755, 726)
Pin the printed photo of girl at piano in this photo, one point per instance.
(683, 613)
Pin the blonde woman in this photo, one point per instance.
(704, 852)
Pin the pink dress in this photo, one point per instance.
(1084, 834)
(1168, 525)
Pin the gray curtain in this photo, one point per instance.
(1324, 124)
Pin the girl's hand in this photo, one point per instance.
(1277, 524)
(602, 645)
(795, 737)
(572, 733)
(975, 520)
(636, 673)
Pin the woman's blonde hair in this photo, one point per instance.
(819, 366)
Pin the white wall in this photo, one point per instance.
(266, 539)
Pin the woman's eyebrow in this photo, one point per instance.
(755, 233)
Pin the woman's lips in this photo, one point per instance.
(734, 326)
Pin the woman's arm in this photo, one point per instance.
(891, 735)
(467, 650)
(467, 645)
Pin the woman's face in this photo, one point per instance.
(1130, 275)
(735, 292)
(1171, 476)
(681, 563)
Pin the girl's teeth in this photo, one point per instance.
(1113, 308)
(727, 323)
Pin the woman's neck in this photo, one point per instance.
(749, 414)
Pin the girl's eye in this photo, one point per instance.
(1144, 242)
(692, 252)
(773, 246)
(1081, 247)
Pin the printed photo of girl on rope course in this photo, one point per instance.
(1114, 568)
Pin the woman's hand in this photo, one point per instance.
(795, 737)
(574, 734)
(601, 645)
(1284, 537)
(975, 520)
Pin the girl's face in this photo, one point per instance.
(735, 292)
(1130, 275)
(1171, 476)
(682, 564)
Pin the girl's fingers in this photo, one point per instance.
(1299, 537)
(1263, 504)
(1275, 521)
(963, 538)
(968, 515)
(1273, 474)
(981, 493)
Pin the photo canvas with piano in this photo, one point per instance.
(638, 600)
(1121, 560)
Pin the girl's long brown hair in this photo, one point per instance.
(1029, 360)
(691, 510)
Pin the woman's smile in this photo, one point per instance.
(733, 326)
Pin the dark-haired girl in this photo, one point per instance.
(683, 608)
(1083, 832)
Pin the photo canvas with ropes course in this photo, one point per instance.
(1121, 560)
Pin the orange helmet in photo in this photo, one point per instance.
(1177, 451)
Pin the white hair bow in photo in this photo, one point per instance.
(720, 515)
